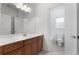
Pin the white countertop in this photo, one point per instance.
(15, 38)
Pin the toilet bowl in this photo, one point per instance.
(60, 42)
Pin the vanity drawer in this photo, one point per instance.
(11, 47)
(28, 41)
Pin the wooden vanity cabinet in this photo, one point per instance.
(1, 51)
(31, 46)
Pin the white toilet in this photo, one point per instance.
(60, 42)
(59, 39)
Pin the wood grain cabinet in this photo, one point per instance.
(0, 50)
(11, 47)
(27, 50)
(8, 48)
(30, 46)
(27, 47)
(40, 43)
(34, 47)
(16, 52)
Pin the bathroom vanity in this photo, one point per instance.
(23, 45)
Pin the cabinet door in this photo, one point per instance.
(34, 47)
(0, 50)
(16, 52)
(8, 48)
(27, 49)
(40, 44)
(12, 47)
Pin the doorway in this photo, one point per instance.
(56, 29)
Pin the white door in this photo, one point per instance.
(70, 29)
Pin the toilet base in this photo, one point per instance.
(60, 43)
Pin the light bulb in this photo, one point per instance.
(29, 9)
(18, 6)
(25, 6)
(26, 10)
(22, 8)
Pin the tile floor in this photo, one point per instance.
(56, 50)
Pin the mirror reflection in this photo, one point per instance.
(12, 18)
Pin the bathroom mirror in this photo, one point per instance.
(11, 19)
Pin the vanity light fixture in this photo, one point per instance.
(28, 9)
(23, 7)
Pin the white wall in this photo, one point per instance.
(42, 16)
